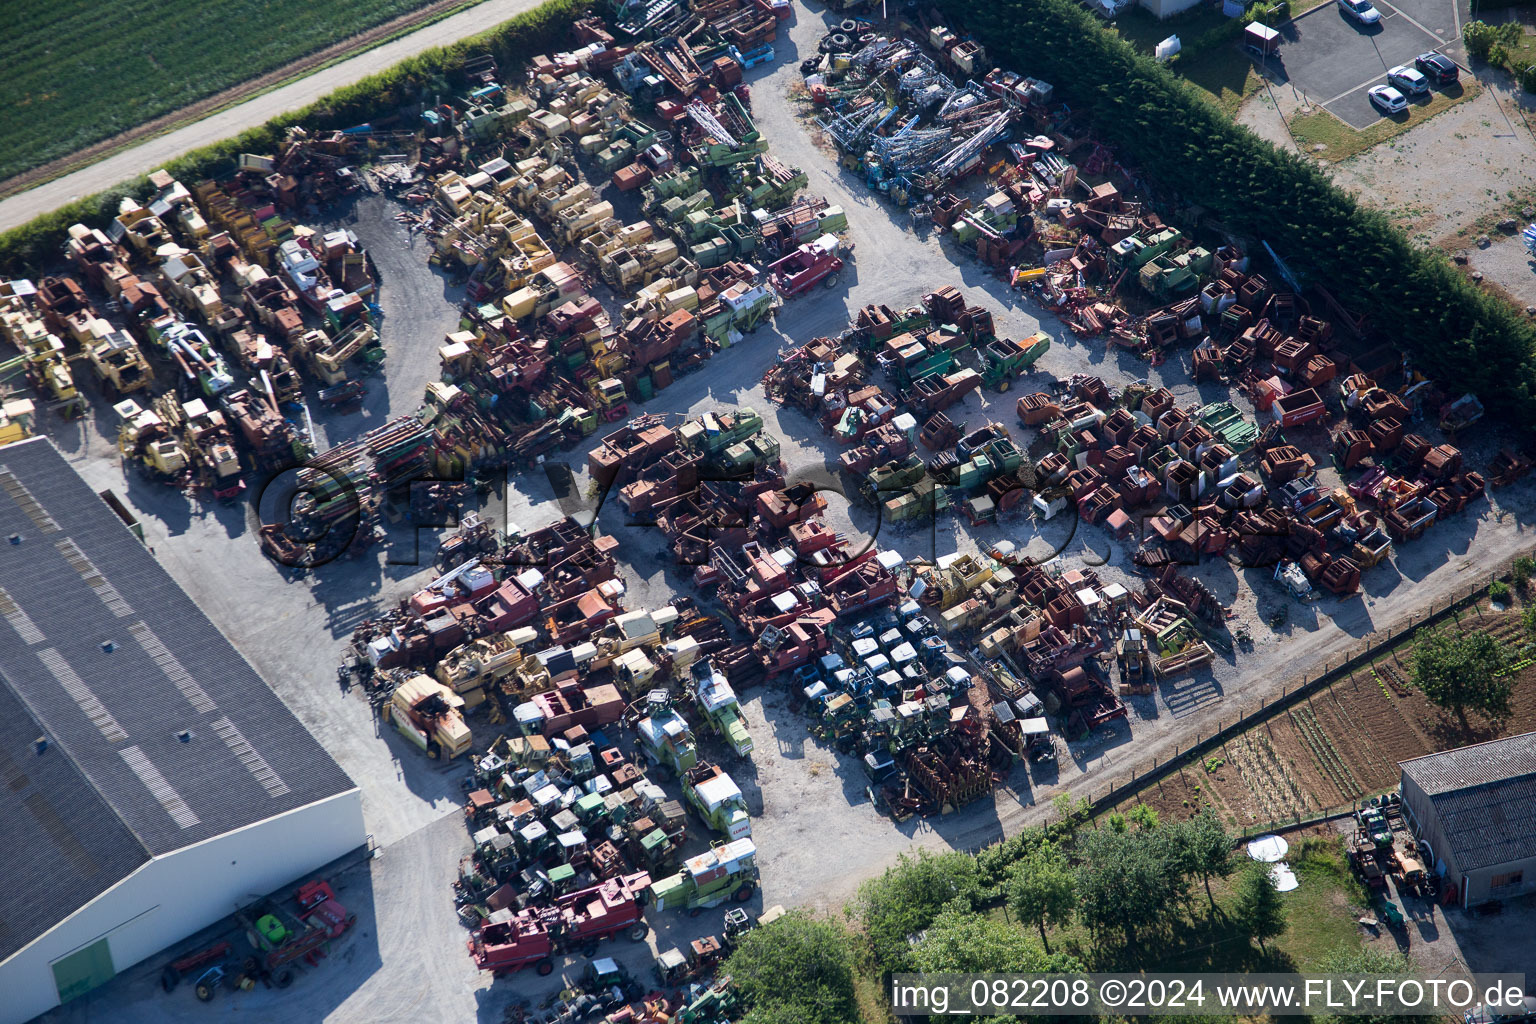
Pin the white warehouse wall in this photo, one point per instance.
(174, 896)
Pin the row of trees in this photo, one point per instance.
(1131, 875)
(1185, 145)
(955, 912)
(39, 243)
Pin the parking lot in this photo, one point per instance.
(1334, 60)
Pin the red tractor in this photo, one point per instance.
(281, 936)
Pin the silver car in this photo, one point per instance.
(1361, 11)
(1408, 81)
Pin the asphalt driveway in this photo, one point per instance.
(1334, 60)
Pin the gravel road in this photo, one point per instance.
(148, 155)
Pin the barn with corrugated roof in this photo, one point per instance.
(1476, 808)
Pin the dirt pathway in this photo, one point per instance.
(225, 123)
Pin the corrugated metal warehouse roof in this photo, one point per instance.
(1485, 796)
(159, 733)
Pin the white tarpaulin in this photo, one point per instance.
(1283, 877)
(1268, 849)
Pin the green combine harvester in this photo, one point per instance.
(726, 872)
(717, 701)
(664, 736)
(1004, 359)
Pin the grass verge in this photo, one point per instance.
(1320, 134)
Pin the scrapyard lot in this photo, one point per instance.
(800, 795)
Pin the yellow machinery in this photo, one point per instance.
(119, 364)
(206, 438)
(15, 420)
(327, 357)
(428, 714)
(145, 437)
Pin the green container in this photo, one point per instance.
(833, 219)
(644, 389)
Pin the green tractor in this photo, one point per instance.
(715, 1003)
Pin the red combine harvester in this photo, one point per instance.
(810, 263)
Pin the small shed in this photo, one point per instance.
(1261, 40)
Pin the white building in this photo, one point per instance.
(150, 782)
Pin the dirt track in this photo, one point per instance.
(352, 44)
(151, 153)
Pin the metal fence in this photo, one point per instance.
(1290, 696)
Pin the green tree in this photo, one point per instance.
(1521, 569)
(960, 940)
(1043, 891)
(1359, 960)
(1069, 813)
(1208, 846)
(1462, 672)
(906, 899)
(1128, 881)
(1259, 908)
(796, 970)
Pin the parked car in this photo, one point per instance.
(1440, 68)
(1361, 11)
(1388, 100)
(1407, 81)
(1521, 1014)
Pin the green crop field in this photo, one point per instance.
(79, 71)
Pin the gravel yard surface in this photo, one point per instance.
(817, 833)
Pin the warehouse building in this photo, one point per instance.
(1476, 808)
(150, 782)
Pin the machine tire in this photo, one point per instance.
(170, 978)
(743, 894)
(589, 948)
(638, 932)
(695, 911)
(839, 42)
(849, 25)
(204, 992)
(544, 968)
(282, 979)
(830, 282)
(434, 751)
(866, 38)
